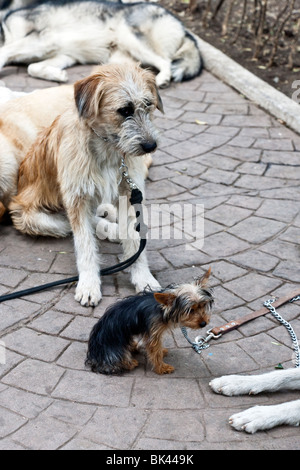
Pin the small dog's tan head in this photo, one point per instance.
(117, 102)
(188, 304)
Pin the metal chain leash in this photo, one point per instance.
(124, 175)
(200, 343)
(289, 328)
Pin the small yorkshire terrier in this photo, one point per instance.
(147, 314)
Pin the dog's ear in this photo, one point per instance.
(159, 103)
(87, 94)
(203, 280)
(164, 298)
(154, 90)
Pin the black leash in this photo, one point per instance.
(135, 199)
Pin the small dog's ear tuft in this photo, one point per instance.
(164, 298)
(87, 98)
(203, 280)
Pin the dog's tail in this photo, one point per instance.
(187, 62)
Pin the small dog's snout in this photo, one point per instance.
(202, 324)
(149, 146)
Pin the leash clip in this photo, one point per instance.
(201, 342)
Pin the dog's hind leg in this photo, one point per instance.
(36, 222)
(52, 69)
(146, 56)
(23, 50)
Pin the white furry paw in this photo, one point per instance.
(88, 290)
(47, 72)
(254, 419)
(232, 385)
(108, 212)
(163, 79)
(107, 230)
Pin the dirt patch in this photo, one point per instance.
(242, 50)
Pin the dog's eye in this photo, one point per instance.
(148, 103)
(127, 111)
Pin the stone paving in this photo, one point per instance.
(220, 151)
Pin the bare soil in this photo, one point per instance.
(242, 50)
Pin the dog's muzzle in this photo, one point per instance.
(148, 147)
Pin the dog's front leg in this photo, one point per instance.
(141, 276)
(88, 290)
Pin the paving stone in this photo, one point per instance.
(219, 176)
(91, 388)
(280, 158)
(190, 427)
(14, 311)
(228, 356)
(40, 261)
(274, 144)
(285, 210)
(44, 433)
(26, 404)
(10, 422)
(11, 277)
(111, 425)
(228, 215)
(74, 356)
(36, 345)
(258, 260)
(264, 229)
(153, 393)
(35, 376)
(223, 245)
(51, 322)
(252, 286)
(263, 350)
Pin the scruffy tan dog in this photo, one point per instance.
(74, 166)
(21, 119)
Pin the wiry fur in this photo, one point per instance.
(259, 418)
(74, 166)
(147, 315)
(52, 36)
(22, 117)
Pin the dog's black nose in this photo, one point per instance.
(149, 146)
(202, 324)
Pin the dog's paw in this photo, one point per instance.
(254, 419)
(108, 212)
(164, 369)
(47, 72)
(107, 230)
(88, 293)
(232, 385)
(162, 81)
(141, 282)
